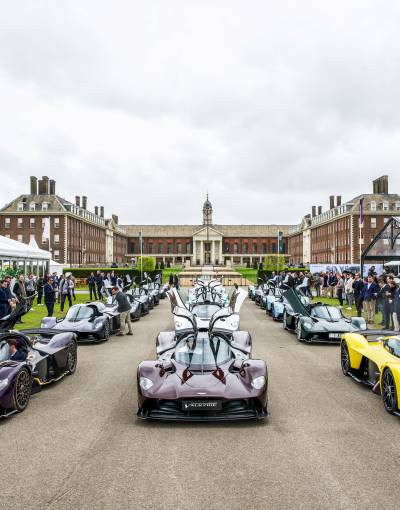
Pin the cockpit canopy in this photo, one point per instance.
(326, 312)
(203, 352)
(393, 346)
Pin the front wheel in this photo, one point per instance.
(300, 332)
(389, 392)
(22, 390)
(344, 358)
(106, 331)
(72, 358)
(284, 322)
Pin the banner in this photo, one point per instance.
(341, 268)
(46, 228)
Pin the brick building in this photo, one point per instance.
(334, 236)
(207, 243)
(72, 233)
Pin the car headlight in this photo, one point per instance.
(3, 383)
(145, 383)
(258, 382)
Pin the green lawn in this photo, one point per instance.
(168, 271)
(33, 318)
(249, 273)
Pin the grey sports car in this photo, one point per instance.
(318, 322)
(90, 322)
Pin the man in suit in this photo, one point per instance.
(370, 293)
(16, 354)
(91, 281)
(49, 292)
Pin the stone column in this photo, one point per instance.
(201, 253)
(213, 252)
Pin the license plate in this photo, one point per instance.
(201, 405)
(335, 335)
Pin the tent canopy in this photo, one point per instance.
(385, 246)
(11, 249)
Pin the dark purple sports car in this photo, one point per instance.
(50, 355)
(203, 376)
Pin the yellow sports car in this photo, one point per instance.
(373, 359)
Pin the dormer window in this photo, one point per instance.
(373, 206)
(45, 206)
(20, 206)
(385, 206)
(397, 206)
(32, 206)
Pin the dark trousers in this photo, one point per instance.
(359, 306)
(50, 308)
(92, 291)
(63, 298)
(39, 296)
(387, 316)
(339, 293)
(99, 292)
(318, 290)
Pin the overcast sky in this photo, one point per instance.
(143, 106)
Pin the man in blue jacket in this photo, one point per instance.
(49, 292)
(370, 293)
(5, 302)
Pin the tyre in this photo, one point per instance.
(344, 358)
(22, 390)
(272, 313)
(284, 322)
(389, 392)
(105, 335)
(299, 331)
(72, 358)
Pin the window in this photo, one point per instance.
(20, 206)
(150, 247)
(254, 247)
(56, 222)
(56, 238)
(188, 248)
(235, 248)
(32, 206)
(7, 222)
(397, 206)
(273, 248)
(32, 222)
(373, 206)
(32, 237)
(179, 247)
(160, 248)
(56, 254)
(245, 248)
(373, 222)
(385, 206)
(169, 248)
(20, 238)
(264, 247)
(45, 206)
(20, 222)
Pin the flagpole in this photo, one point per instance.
(141, 256)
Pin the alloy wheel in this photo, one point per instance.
(23, 389)
(345, 358)
(389, 395)
(72, 358)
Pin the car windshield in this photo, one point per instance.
(326, 312)
(205, 311)
(393, 346)
(77, 313)
(202, 352)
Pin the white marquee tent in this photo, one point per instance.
(29, 258)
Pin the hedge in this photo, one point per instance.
(84, 272)
(263, 274)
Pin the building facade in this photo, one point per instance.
(340, 234)
(207, 243)
(73, 234)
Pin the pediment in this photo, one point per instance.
(205, 232)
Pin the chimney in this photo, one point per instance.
(34, 185)
(84, 202)
(331, 202)
(339, 200)
(102, 211)
(319, 210)
(381, 185)
(115, 219)
(96, 210)
(45, 181)
(314, 211)
(52, 187)
(41, 187)
(78, 201)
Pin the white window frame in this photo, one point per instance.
(373, 206)
(45, 206)
(32, 206)
(20, 206)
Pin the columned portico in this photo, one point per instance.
(207, 243)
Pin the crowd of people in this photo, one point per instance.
(369, 295)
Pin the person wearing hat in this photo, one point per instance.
(49, 292)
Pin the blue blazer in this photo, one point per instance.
(368, 293)
(5, 308)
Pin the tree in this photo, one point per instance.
(274, 263)
(146, 263)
